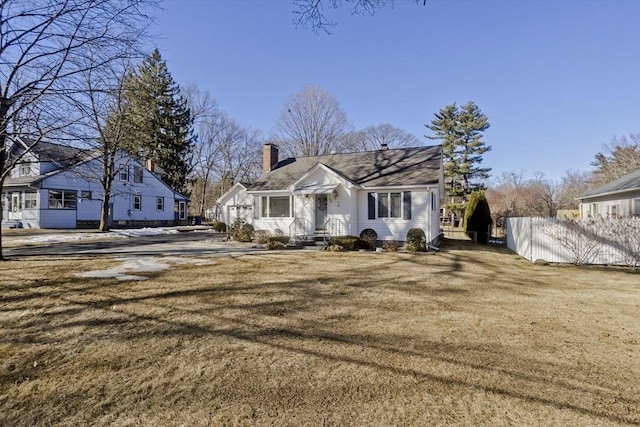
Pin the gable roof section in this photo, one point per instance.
(50, 152)
(623, 184)
(381, 168)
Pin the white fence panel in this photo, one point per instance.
(594, 241)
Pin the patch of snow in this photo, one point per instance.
(80, 236)
(140, 265)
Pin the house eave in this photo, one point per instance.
(401, 187)
(609, 193)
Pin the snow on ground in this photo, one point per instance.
(141, 265)
(81, 236)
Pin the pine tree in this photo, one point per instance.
(160, 126)
(461, 131)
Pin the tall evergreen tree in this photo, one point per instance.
(461, 131)
(159, 121)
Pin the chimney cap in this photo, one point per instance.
(384, 146)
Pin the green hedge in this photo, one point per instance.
(477, 217)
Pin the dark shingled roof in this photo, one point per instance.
(626, 183)
(56, 153)
(380, 168)
(61, 155)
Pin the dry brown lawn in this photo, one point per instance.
(469, 336)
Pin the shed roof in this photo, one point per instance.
(630, 182)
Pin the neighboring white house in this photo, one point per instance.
(57, 186)
(617, 198)
(389, 191)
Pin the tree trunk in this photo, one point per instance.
(104, 213)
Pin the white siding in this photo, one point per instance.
(348, 208)
(236, 204)
(601, 206)
(423, 216)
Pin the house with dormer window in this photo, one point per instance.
(58, 186)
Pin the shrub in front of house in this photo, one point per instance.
(416, 240)
(275, 245)
(349, 243)
(241, 231)
(282, 239)
(219, 226)
(369, 239)
(477, 217)
(261, 236)
(390, 246)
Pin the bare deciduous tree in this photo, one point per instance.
(225, 153)
(618, 158)
(579, 237)
(374, 137)
(311, 124)
(311, 14)
(43, 44)
(573, 184)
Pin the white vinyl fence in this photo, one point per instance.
(579, 241)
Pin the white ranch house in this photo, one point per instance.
(57, 186)
(389, 191)
(615, 199)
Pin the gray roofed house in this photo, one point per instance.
(389, 191)
(617, 198)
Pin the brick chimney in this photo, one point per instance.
(150, 165)
(269, 157)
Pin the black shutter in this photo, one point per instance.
(371, 200)
(406, 196)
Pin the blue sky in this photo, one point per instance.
(557, 78)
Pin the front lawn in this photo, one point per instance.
(468, 336)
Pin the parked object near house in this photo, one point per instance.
(58, 186)
(616, 199)
(389, 191)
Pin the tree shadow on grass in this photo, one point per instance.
(101, 310)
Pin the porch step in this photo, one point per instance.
(312, 240)
(12, 223)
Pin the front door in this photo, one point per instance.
(16, 206)
(321, 211)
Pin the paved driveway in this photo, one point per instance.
(190, 243)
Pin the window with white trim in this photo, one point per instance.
(30, 200)
(62, 199)
(137, 202)
(389, 205)
(26, 169)
(612, 211)
(159, 203)
(636, 207)
(123, 173)
(276, 206)
(137, 174)
(182, 210)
